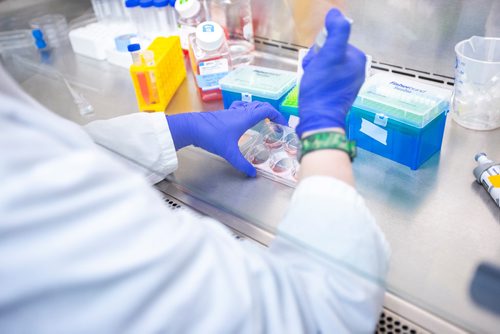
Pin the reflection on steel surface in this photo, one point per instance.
(417, 34)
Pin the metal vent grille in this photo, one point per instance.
(277, 47)
(290, 50)
(414, 73)
(175, 204)
(172, 202)
(391, 323)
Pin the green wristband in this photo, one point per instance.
(328, 141)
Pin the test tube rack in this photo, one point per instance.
(169, 72)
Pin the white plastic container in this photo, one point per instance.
(476, 98)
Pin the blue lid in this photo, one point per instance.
(133, 47)
(160, 3)
(145, 3)
(131, 3)
(123, 41)
(172, 3)
(37, 34)
(39, 41)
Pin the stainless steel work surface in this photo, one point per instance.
(440, 224)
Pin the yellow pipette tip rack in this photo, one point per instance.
(155, 85)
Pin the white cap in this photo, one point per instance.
(187, 8)
(209, 35)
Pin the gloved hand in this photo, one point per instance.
(332, 78)
(218, 132)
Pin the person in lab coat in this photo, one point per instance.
(88, 246)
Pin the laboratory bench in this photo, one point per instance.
(440, 223)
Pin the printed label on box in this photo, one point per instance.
(211, 72)
(373, 131)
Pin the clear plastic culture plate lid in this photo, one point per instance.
(402, 99)
(272, 149)
(259, 81)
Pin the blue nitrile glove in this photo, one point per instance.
(218, 132)
(332, 78)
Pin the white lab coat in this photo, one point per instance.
(88, 246)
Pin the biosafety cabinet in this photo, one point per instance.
(443, 228)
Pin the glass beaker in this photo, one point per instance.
(476, 96)
(235, 16)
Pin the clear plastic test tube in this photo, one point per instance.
(149, 60)
(102, 9)
(160, 9)
(142, 80)
(135, 53)
(134, 13)
(148, 19)
(172, 18)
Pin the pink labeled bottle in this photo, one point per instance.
(210, 59)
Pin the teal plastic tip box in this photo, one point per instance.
(399, 118)
(253, 83)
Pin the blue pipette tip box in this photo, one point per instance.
(254, 83)
(399, 118)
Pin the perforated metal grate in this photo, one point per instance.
(391, 323)
(172, 203)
